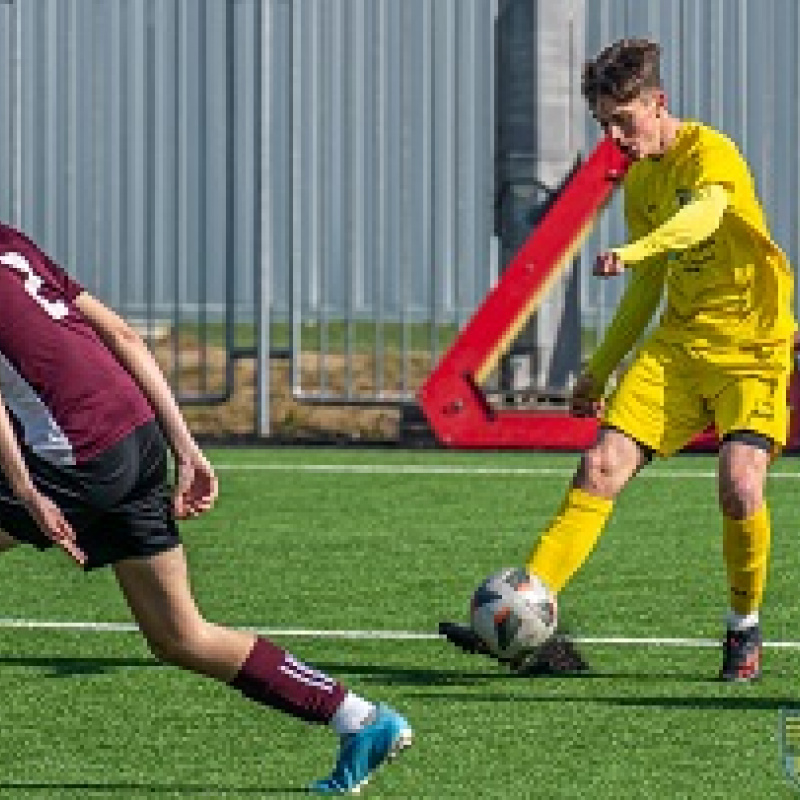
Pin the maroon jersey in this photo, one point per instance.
(68, 395)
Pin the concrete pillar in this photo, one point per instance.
(539, 135)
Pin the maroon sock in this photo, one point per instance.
(276, 678)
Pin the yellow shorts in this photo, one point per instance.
(672, 392)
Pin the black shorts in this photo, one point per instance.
(119, 503)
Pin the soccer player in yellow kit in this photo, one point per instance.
(721, 353)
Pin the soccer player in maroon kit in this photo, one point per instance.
(86, 418)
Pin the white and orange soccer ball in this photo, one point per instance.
(513, 613)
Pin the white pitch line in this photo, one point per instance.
(421, 469)
(677, 642)
(130, 627)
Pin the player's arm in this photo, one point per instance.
(44, 512)
(634, 311)
(694, 223)
(197, 484)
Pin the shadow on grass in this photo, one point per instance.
(422, 676)
(412, 676)
(738, 703)
(125, 789)
(64, 667)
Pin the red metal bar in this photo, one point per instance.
(451, 397)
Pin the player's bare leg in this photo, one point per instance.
(746, 532)
(608, 465)
(567, 541)
(158, 592)
(742, 477)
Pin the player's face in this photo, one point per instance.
(634, 126)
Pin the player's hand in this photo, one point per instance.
(587, 397)
(607, 265)
(54, 525)
(196, 488)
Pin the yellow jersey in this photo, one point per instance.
(733, 288)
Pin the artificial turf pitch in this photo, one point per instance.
(340, 540)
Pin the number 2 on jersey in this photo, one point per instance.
(57, 309)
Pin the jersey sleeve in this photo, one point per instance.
(691, 225)
(636, 307)
(634, 312)
(716, 160)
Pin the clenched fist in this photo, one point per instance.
(587, 397)
(607, 265)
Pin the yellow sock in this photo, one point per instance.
(569, 538)
(745, 546)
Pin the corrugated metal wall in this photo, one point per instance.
(132, 112)
(389, 183)
(734, 64)
(126, 152)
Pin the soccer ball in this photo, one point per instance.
(513, 613)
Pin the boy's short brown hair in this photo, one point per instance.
(622, 71)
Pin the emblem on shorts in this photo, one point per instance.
(790, 744)
(683, 196)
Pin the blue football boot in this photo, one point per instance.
(361, 753)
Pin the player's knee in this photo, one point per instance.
(166, 649)
(601, 472)
(741, 493)
(178, 648)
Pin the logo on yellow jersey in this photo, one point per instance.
(790, 744)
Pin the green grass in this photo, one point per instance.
(337, 335)
(93, 715)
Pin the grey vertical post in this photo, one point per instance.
(539, 46)
(559, 142)
(124, 147)
(299, 70)
(177, 177)
(263, 227)
(16, 113)
(231, 195)
(149, 223)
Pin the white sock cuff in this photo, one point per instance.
(350, 715)
(739, 622)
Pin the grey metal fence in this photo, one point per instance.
(390, 189)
